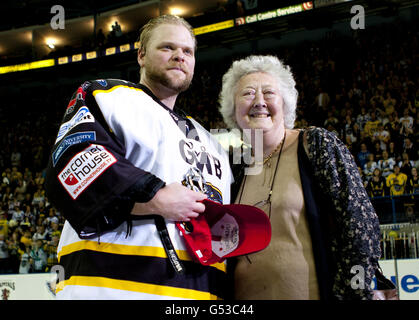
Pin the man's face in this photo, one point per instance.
(169, 59)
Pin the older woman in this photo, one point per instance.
(325, 232)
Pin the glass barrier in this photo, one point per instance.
(399, 224)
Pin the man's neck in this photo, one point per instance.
(165, 95)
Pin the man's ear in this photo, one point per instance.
(140, 57)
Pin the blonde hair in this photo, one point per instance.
(257, 63)
(147, 30)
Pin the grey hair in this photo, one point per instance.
(258, 63)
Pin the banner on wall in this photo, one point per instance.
(408, 276)
(41, 286)
(33, 286)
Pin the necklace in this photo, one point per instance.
(268, 200)
(274, 151)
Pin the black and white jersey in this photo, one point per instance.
(115, 134)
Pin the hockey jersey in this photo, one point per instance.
(117, 145)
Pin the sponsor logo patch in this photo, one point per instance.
(102, 82)
(83, 115)
(71, 140)
(84, 168)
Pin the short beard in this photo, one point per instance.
(161, 78)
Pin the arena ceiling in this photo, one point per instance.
(25, 25)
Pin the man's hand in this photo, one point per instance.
(174, 202)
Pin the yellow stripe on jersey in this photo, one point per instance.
(127, 250)
(95, 92)
(136, 287)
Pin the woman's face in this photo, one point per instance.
(258, 103)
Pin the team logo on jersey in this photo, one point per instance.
(201, 159)
(71, 140)
(102, 82)
(78, 96)
(84, 168)
(83, 115)
(195, 181)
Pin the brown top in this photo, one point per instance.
(285, 269)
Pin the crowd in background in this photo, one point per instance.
(364, 88)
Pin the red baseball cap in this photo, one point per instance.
(224, 231)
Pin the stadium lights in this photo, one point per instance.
(51, 42)
(177, 11)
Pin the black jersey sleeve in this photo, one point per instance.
(88, 178)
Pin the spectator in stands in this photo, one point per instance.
(100, 39)
(363, 177)
(406, 164)
(376, 186)
(370, 166)
(52, 217)
(40, 234)
(28, 218)
(15, 251)
(27, 200)
(372, 125)
(26, 238)
(116, 29)
(363, 118)
(7, 195)
(20, 190)
(382, 136)
(25, 265)
(377, 151)
(377, 99)
(394, 151)
(349, 130)
(51, 251)
(17, 214)
(413, 182)
(389, 104)
(386, 164)
(410, 148)
(38, 256)
(362, 155)
(39, 195)
(15, 157)
(331, 120)
(54, 230)
(406, 122)
(39, 179)
(396, 182)
(4, 255)
(4, 224)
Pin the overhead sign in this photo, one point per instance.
(28, 66)
(275, 13)
(214, 27)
